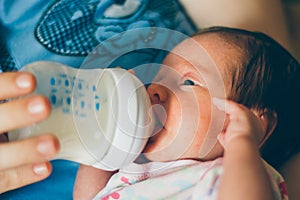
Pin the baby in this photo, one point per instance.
(224, 92)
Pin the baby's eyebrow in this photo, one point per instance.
(212, 77)
(200, 70)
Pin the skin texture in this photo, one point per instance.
(183, 89)
(26, 169)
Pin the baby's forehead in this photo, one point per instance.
(196, 53)
(209, 58)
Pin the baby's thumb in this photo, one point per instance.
(228, 106)
(220, 103)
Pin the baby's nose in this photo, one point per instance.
(157, 93)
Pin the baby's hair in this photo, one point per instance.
(267, 77)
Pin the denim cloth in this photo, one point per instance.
(67, 31)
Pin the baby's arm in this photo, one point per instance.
(244, 176)
(89, 181)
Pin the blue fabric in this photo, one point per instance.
(67, 31)
(59, 185)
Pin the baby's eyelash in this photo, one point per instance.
(188, 82)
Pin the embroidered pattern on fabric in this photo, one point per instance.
(7, 63)
(76, 27)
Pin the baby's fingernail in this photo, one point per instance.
(220, 103)
(40, 169)
(23, 81)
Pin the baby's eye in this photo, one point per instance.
(189, 82)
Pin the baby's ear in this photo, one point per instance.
(269, 121)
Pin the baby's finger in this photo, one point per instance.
(32, 150)
(16, 83)
(20, 176)
(229, 107)
(23, 112)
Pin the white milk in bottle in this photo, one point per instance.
(102, 117)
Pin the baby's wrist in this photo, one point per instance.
(242, 142)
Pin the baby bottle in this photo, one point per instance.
(102, 117)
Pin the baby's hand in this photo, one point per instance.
(240, 123)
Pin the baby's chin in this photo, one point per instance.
(216, 152)
(156, 152)
(151, 153)
(161, 156)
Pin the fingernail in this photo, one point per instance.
(35, 107)
(23, 81)
(46, 148)
(220, 103)
(40, 169)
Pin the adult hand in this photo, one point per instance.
(25, 161)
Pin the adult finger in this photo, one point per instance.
(23, 112)
(16, 83)
(20, 176)
(28, 151)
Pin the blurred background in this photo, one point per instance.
(292, 10)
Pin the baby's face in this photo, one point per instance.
(182, 95)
